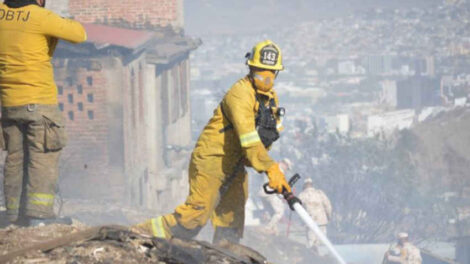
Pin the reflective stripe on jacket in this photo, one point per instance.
(229, 145)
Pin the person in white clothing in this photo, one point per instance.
(318, 206)
(403, 252)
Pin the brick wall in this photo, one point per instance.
(83, 99)
(59, 6)
(136, 13)
(115, 115)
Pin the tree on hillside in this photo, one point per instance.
(373, 186)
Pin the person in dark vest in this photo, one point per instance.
(242, 129)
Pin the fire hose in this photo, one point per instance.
(296, 205)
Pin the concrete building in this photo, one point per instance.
(386, 123)
(374, 64)
(463, 249)
(424, 66)
(125, 96)
(344, 125)
(417, 92)
(347, 67)
(337, 124)
(430, 66)
(389, 93)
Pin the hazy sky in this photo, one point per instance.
(220, 16)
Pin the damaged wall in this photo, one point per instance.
(128, 121)
(90, 92)
(137, 13)
(140, 13)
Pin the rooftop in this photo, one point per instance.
(162, 47)
(103, 36)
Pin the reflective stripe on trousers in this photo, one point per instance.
(41, 199)
(12, 203)
(157, 227)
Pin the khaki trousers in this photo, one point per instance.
(312, 239)
(34, 135)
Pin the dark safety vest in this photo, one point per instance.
(265, 122)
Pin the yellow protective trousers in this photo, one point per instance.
(229, 137)
(204, 202)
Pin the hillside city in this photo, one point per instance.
(360, 93)
(353, 73)
(377, 113)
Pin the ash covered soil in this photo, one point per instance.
(78, 243)
(93, 251)
(96, 242)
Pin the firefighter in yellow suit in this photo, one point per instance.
(32, 124)
(243, 127)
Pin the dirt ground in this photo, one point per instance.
(113, 246)
(14, 238)
(117, 245)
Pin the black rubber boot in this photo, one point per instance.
(3, 218)
(180, 231)
(230, 234)
(17, 220)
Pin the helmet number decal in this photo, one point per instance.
(269, 55)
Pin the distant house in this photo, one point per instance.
(125, 96)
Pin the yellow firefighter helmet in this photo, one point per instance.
(265, 55)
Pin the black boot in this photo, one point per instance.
(3, 218)
(7, 220)
(230, 234)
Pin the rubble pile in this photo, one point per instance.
(113, 244)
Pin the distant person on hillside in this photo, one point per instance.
(403, 252)
(318, 206)
(33, 126)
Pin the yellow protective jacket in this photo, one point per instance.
(28, 37)
(217, 151)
